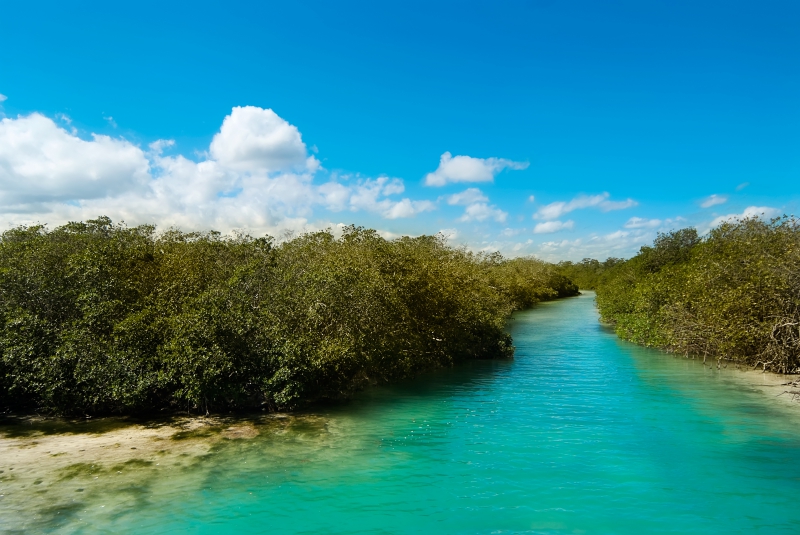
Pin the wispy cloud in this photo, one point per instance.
(453, 169)
(549, 227)
(3, 98)
(557, 209)
(713, 200)
(741, 186)
(643, 223)
(509, 232)
(639, 222)
(468, 196)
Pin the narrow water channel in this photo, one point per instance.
(579, 433)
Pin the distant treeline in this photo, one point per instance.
(588, 273)
(98, 317)
(733, 294)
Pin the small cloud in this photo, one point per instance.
(639, 222)
(521, 245)
(253, 139)
(531, 198)
(508, 232)
(158, 146)
(408, 208)
(482, 211)
(549, 227)
(741, 186)
(63, 118)
(468, 196)
(3, 98)
(713, 200)
(371, 195)
(751, 211)
(608, 206)
(560, 244)
(761, 211)
(557, 209)
(454, 169)
(618, 235)
(449, 233)
(111, 121)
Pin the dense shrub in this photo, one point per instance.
(98, 317)
(734, 294)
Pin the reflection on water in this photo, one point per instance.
(580, 433)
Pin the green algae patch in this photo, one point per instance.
(132, 463)
(77, 470)
(37, 426)
(200, 432)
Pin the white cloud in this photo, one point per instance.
(519, 246)
(508, 232)
(40, 162)
(449, 233)
(335, 196)
(254, 139)
(468, 196)
(531, 198)
(608, 206)
(713, 200)
(371, 195)
(3, 98)
(620, 243)
(639, 222)
(408, 208)
(617, 235)
(562, 243)
(257, 175)
(454, 169)
(741, 186)
(482, 212)
(549, 227)
(557, 209)
(751, 211)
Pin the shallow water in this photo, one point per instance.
(580, 433)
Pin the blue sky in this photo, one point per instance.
(573, 128)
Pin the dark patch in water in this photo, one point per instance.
(78, 470)
(202, 432)
(131, 463)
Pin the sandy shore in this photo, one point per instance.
(49, 467)
(784, 389)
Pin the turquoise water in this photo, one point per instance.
(580, 433)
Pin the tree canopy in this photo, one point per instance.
(101, 317)
(733, 294)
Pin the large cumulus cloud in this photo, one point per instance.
(257, 174)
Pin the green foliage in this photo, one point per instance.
(98, 317)
(588, 273)
(733, 295)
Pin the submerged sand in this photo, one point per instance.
(72, 469)
(55, 467)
